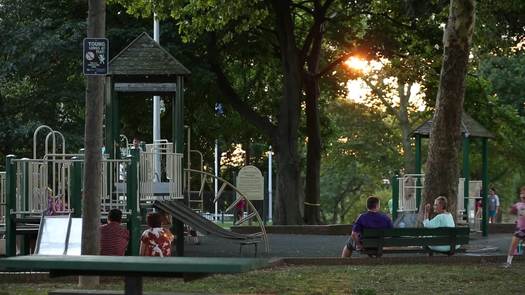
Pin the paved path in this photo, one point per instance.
(286, 245)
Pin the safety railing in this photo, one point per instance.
(165, 184)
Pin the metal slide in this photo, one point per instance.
(201, 224)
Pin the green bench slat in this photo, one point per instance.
(399, 232)
(131, 264)
(375, 239)
(413, 241)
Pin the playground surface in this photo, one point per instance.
(309, 245)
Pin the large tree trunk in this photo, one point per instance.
(442, 168)
(288, 182)
(313, 154)
(93, 145)
(404, 122)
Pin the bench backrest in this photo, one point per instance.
(415, 236)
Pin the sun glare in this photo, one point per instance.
(359, 91)
(358, 63)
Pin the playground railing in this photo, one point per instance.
(2, 198)
(43, 185)
(114, 184)
(410, 186)
(165, 185)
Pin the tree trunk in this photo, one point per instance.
(288, 182)
(404, 123)
(442, 168)
(313, 153)
(93, 145)
(312, 202)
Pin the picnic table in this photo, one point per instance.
(133, 268)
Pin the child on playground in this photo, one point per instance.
(156, 240)
(113, 237)
(493, 205)
(519, 234)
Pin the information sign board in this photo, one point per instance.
(96, 53)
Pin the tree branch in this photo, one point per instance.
(332, 65)
(232, 96)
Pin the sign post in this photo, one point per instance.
(96, 53)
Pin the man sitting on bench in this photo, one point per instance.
(442, 219)
(373, 218)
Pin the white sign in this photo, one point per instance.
(250, 182)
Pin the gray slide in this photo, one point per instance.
(196, 221)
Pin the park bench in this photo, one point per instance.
(133, 268)
(403, 240)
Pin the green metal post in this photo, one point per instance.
(76, 188)
(418, 154)
(112, 132)
(115, 152)
(395, 196)
(466, 173)
(485, 169)
(178, 123)
(24, 192)
(178, 142)
(133, 220)
(418, 170)
(10, 227)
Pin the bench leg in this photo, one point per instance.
(133, 285)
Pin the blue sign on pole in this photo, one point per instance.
(96, 53)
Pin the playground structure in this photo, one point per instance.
(407, 190)
(131, 179)
(52, 185)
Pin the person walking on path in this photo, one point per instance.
(373, 218)
(519, 234)
(113, 237)
(442, 219)
(493, 205)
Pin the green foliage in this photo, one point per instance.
(495, 99)
(361, 152)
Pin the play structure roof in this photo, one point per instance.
(469, 126)
(145, 57)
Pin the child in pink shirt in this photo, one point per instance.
(519, 234)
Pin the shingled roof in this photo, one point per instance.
(469, 126)
(143, 57)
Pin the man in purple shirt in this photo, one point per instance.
(373, 218)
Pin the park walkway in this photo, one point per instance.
(308, 245)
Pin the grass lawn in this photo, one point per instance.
(386, 279)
